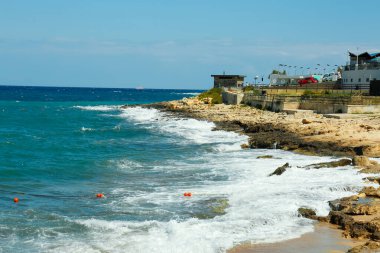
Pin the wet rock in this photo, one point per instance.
(373, 179)
(342, 204)
(358, 204)
(280, 170)
(306, 212)
(261, 143)
(264, 157)
(335, 205)
(359, 229)
(333, 164)
(322, 218)
(341, 219)
(244, 146)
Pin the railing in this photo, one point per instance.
(371, 65)
(328, 89)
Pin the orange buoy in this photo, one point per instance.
(15, 200)
(187, 194)
(100, 195)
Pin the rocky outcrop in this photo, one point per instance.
(360, 161)
(280, 170)
(306, 212)
(333, 164)
(366, 165)
(370, 246)
(348, 213)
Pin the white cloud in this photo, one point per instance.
(201, 51)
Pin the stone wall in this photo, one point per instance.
(324, 105)
(231, 98)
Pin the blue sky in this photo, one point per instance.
(175, 43)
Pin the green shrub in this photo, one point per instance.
(252, 89)
(214, 93)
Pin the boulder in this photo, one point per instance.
(367, 165)
(244, 146)
(306, 212)
(360, 161)
(280, 170)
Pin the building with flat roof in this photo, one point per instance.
(228, 81)
(361, 70)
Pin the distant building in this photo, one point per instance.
(228, 81)
(361, 70)
(283, 80)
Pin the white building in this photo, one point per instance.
(360, 71)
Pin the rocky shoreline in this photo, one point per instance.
(309, 134)
(357, 137)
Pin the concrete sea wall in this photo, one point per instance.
(324, 105)
(232, 98)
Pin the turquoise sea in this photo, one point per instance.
(59, 147)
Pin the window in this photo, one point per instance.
(359, 80)
(367, 80)
(352, 80)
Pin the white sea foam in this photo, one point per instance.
(196, 131)
(86, 129)
(187, 93)
(261, 208)
(102, 108)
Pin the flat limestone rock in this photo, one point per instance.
(333, 164)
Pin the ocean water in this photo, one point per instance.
(59, 147)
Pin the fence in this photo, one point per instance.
(334, 89)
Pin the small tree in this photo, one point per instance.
(277, 72)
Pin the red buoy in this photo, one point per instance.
(187, 194)
(15, 200)
(100, 195)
